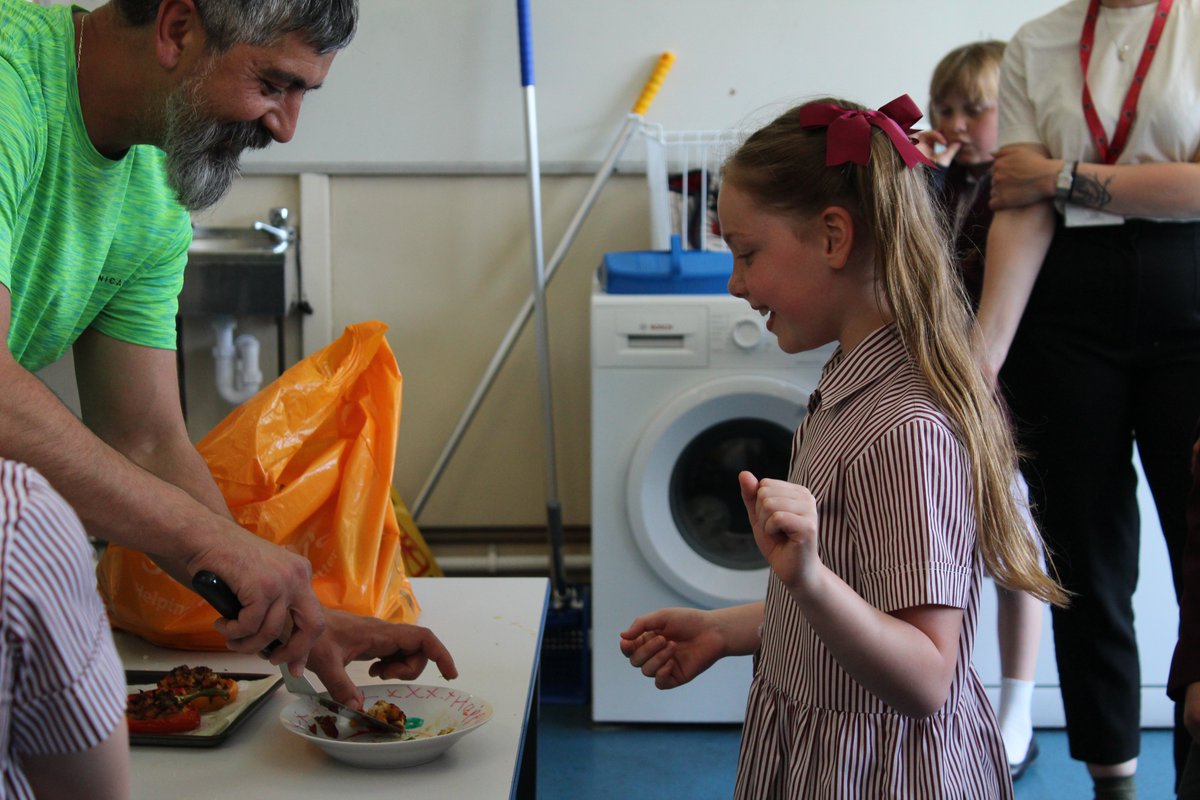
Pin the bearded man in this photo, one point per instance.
(113, 125)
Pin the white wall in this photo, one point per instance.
(437, 86)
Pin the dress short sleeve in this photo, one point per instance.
(910, 508)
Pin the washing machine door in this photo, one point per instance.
(685, 507)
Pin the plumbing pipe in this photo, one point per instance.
(493, 562)
(235, 362)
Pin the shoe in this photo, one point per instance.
(1031, 754)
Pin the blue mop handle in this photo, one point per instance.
(525, 32)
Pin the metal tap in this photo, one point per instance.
(278, 228)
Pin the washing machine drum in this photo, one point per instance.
(685, 507)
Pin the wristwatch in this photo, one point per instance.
(1065, 182)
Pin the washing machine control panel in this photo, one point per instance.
(696, 331)
(738, 338)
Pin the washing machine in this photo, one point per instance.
(687, 390)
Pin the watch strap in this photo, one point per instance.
(1065, 182)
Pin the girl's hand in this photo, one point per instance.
(783, 516)
(1021, 176)
(673, 645)
(927, 142)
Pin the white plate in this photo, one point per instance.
(438, 717)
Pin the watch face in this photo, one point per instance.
(1065, 178)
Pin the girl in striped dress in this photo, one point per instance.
(899, 490)
(62, 689)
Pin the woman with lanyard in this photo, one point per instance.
(1091, 303)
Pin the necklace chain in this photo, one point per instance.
(1122, 49)
(79, 46)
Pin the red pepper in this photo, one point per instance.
(160, 711)
(209, 690)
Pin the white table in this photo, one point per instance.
(493, 628)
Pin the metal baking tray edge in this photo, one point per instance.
(135, 677)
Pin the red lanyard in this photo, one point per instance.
(1111, 151)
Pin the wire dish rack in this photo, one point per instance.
(687, 255)
(683, 177)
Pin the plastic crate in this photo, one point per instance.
(566, 658)
(674, 271)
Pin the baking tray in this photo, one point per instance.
(217, 731)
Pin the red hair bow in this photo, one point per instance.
(849, 130)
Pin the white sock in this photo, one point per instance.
(1016, 722)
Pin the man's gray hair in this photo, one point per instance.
(325, 25)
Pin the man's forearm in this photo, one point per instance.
(178, 463)
(117, 500)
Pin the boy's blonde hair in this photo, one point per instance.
(972, 72)
(782, 168)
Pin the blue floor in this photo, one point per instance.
(579, 759)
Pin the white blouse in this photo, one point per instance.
(1041, 87)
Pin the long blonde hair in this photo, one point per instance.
(782, 168)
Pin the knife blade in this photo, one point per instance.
(213, 589)
(301, 686)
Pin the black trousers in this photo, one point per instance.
(1189, 779)
(1107, 353)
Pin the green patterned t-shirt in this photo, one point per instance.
(85, 241)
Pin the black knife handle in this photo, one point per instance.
(217, 592)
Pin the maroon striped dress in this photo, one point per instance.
(62, 689)
(897, 523)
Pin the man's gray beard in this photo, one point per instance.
(203, 153)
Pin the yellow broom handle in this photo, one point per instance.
(652, 86)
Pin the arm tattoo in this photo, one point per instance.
(1090, 191)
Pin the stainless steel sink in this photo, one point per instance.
(234, 241)
(238, 271)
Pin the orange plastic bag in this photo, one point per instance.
(306, 463)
